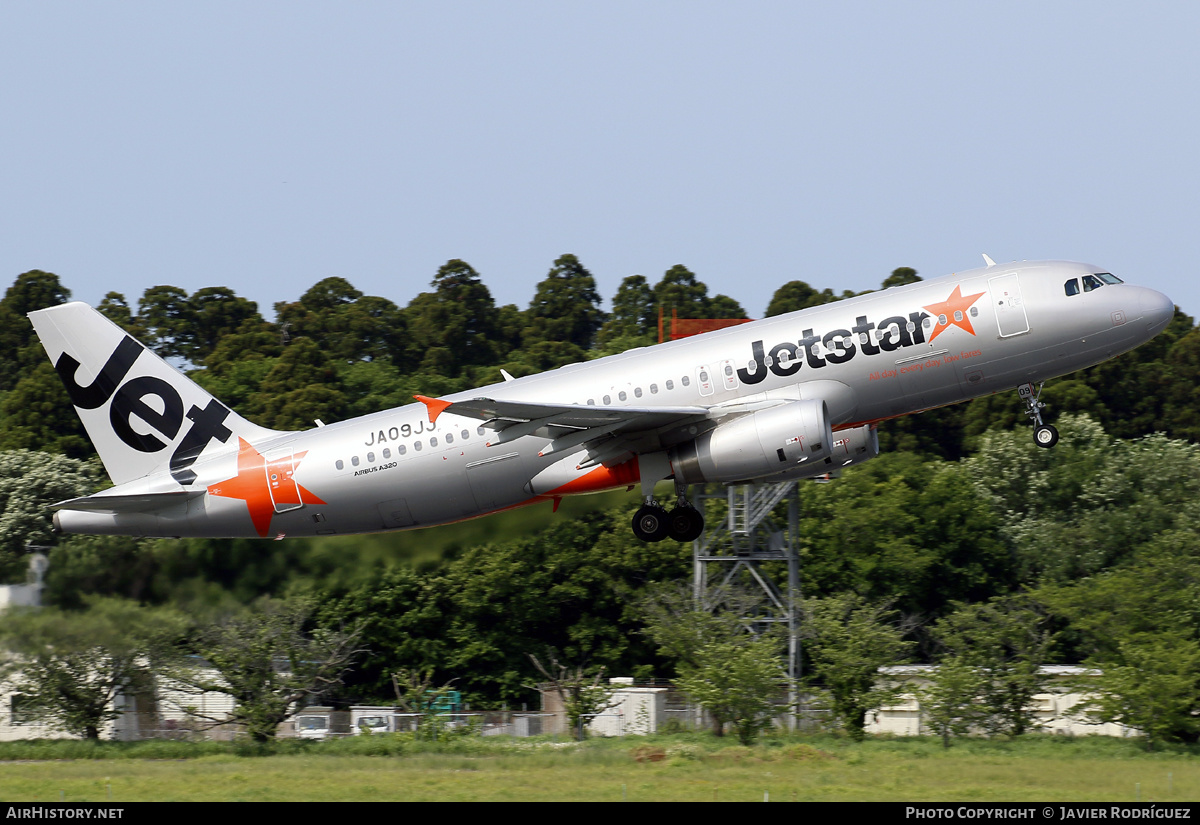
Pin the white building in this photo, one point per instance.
(1054, 709)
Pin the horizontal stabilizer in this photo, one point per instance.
(132, 503)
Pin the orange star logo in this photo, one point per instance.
(264, 486)
(956, 303)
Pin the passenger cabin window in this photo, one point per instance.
(339, 464)
(1072, 286)
(670, 384)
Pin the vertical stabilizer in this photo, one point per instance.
(143, 415)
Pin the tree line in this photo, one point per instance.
(962, 544)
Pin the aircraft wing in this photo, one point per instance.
(567, 425)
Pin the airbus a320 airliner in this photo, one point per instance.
(788, 397)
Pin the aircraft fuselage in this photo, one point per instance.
(868, 358)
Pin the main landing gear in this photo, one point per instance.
(652, 522)
(1044, 435)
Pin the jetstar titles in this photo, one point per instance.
(836, 346)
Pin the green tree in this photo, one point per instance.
(950, 703)
(29, 483)
(415, 693)
(235, 369)
(215, 312)
(38, 415)
(847, 641)
(1182, 401)
(112, 566)
(115, 308)
(905, 530)
(1088, 503)
(1006, 641)
(737, 681)
(348, 325)
(476, 617)
(679, 291)
(1149, 683)
(1136, 624)
(457, 325)
(301, 387)
(634, 315)
(542, 356)
(165, 319)
(270, 660)
(901, 276)
(566, 307)
(722, 306)
(796, 295)
(723, 666)
(19, 349)
(69, 667)
(581, 694)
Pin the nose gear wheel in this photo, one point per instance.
(1044, 435)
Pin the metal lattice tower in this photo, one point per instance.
(736, 547)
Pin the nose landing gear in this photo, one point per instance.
(1044, 435)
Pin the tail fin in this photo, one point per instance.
(143, 415)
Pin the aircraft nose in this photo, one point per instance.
(1157, 309)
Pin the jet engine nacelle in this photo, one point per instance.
(758, 444)
(850, 447)
(854, 446)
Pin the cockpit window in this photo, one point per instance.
(1072, 286)
(1109, 278)
(1091, 282)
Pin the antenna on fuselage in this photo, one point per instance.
(988, 260)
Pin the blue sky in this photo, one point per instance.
(265, 146)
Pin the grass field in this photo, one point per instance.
(686, 768)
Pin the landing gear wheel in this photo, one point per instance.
(685, 523)
(650, 523)
(1045, 436)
